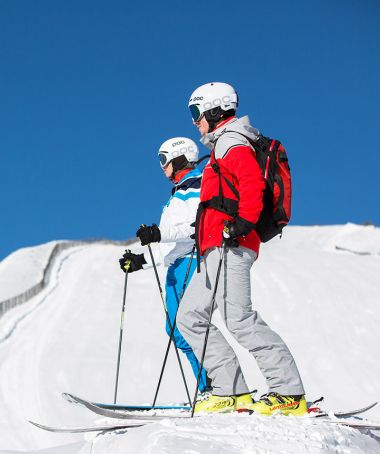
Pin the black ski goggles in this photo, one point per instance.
(195, 113)
(163, 157)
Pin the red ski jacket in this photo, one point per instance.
(238, 164)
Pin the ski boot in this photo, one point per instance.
(224, 404)
(274, 403)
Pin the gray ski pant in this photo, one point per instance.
(233, 298)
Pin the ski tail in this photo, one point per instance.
(342, 414)
(313, 408)
(355, 425)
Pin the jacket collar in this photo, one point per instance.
(186, 174)
(209, 139)
(234, 124)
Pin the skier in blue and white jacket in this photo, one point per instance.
(178, 159)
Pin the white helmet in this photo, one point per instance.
(178, 146)
(212, 100)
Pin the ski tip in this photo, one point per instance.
(70, 398)
(40, 426)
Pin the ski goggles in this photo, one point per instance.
(195, 113)
(163, 157)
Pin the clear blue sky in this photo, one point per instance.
(90, 89)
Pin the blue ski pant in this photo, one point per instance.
(175, 279)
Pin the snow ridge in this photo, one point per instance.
(31, 292)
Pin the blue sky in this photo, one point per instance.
(90, 89)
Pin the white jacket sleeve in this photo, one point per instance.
(177, 217)
(175, 228)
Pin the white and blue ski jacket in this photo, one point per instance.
(177, 216)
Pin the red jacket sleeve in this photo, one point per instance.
(241, 163)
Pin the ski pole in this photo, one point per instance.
(121, 335)
(167, 317)
(174, 324)
(208, 326)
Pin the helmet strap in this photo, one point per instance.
(214, 116)
(179, 163)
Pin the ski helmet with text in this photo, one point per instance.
(214, 101)
(181, 151)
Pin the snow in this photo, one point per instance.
(23, 269)
(323, 301)
(358, 240)
(237, 434)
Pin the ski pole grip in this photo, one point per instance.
(144, 225)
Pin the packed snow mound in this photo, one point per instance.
(23, 269)
(362, 240)
(236, 434)
(324, 302)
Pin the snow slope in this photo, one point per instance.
(323, 301)
(23, 269)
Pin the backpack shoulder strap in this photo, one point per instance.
(216, 168)
(228, 140)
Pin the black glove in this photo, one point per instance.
(149, 234)
(131, 262)
(234, 229)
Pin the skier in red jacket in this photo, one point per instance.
(231, 203)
